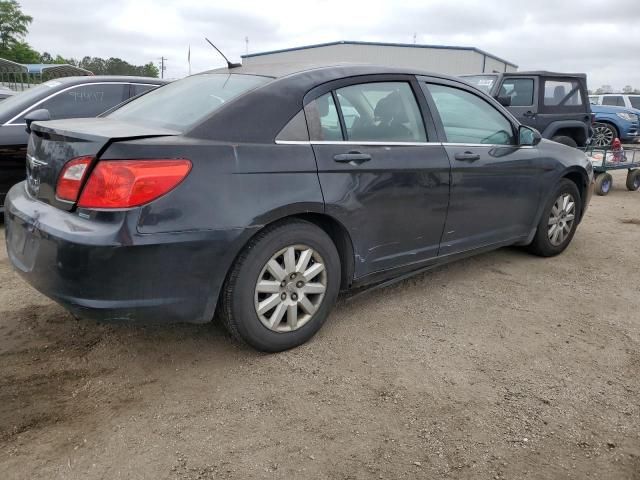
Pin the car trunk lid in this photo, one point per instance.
(54, 143)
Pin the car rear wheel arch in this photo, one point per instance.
(581, 179)
(332, 227)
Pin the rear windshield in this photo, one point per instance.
(482, 82)
(185, 102)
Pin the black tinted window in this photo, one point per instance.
(519, 89)
(295, 129)
(467, 118)
(635, 102)
(85, 100)
(137, 89)
(615, 100)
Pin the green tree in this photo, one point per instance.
(14, 24)
(21, 52)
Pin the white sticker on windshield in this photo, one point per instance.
(52, 83)
(485, 83)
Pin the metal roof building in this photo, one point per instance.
(19, 76)
(436, 58)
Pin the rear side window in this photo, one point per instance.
(137, 89)
(562, 93)
(519, 89)
(323, 120)
(466, 118)
(183, 103)
(85, 101)
(635, 102)
(614, 100)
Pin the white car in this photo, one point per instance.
(616, 100)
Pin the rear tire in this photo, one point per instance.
(559, 220)
(274, 309)
(633, 180)
(563, 139)
(604, 182)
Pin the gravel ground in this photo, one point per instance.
(500, 366)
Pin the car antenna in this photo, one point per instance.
(230, 65)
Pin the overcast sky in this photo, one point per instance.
(599, 38)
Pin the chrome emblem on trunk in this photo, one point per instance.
(34, 162)
(33, 179)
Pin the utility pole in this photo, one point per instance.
(246, 45)
(162, 66)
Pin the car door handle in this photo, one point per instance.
(467, 157)
(529, 114)
(355, 158)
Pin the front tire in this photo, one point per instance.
(282, 286)
(604, 134)
(559, 220)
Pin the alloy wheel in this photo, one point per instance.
(561, 219)
(290, 288)
(603, 135)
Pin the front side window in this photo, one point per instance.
(562, 93)
(614, 100)
(84, 101)
(466, 118)
(635, 101)
(381, 112)
(519, 89)
(183, 103)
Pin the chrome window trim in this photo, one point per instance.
(350, 142)
(394, 144)
(26, 110)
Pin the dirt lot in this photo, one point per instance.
(500, 366)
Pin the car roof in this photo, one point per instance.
(108, 78)
(280, 70)
(529, 73)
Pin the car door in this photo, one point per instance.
(382, 173)
(523, 91)
(496, 184)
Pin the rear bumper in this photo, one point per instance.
(103, 269)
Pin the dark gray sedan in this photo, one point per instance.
(261, 193)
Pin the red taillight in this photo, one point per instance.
(130, 183)
(70, 179)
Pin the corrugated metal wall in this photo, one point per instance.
(441, 60)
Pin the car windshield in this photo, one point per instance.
(184, 103)
(26, 98)
(483, 82)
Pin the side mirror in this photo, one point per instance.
(40, 115)
(528, 136)
(504, 101)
